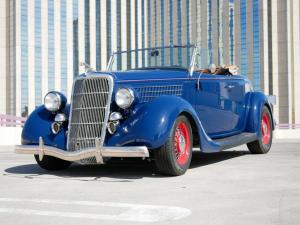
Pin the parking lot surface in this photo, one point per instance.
(232, 187)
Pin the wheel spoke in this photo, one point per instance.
(181, 143)
(265, 129)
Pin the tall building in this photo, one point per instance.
(43, 41)
(260, 36)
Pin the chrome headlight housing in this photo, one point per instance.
(60, 118)
(54, 101)
(124, 97)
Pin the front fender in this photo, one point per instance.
(257, 102)
(38, 125)
(150, 124)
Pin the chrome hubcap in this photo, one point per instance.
(265, 128)
(181, 143)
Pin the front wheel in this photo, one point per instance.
(174, 157)
(264, 142)
(52, 163)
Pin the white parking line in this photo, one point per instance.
(132, 212)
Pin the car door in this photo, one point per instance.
(233, 96)
(214, 104)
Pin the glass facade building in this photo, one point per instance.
(24, 55)
(46, 41)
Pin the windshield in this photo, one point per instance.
(148, 58)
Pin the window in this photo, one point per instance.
(24, 58)
(98, 39)
(75, 38)
(51, 46)
(63, 46)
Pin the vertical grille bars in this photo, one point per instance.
(90, 106)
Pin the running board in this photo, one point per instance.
(235, 140)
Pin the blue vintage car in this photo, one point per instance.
(151, 103)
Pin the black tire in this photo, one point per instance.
(264, 142)
(170, 159)
(51, 163)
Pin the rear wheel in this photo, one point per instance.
(174, 157)
(52, 163)
(264, 142)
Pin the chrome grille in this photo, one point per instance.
(90, 107)
(148, 93)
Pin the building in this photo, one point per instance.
(42, 42)
(260, 36)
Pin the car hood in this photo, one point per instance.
(148, 74)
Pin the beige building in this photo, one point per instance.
(42, 42)
(260, 36)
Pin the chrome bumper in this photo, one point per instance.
(97, 152)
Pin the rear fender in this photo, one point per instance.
(257, 102)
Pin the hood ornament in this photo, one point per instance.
(87, 67)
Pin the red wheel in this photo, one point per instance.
(182, 143)
(263, 144)
(265, 128)
(174, 157)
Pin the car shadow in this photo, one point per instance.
(203, 159)
(113, 171)
(126, 170)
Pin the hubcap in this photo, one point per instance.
(182, 143)
(265, 129)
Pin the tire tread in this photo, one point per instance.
(51, 163)
(163, 156)
(257, 147)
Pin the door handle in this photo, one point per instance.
(199, 87)
(230, 86)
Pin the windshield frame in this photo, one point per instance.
(190, 68)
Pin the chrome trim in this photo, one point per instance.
(112, 126)
(107, 110)
(115, 116)
(198, 81)
(132, 97)
(110, 62)
(60, 117)
(192, 65)
(148, 93)
(87, 67)
(41, 152)
(98, 152)
(53, 129)
(59, 98)
(112, 57)
(158, 47)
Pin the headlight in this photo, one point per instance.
(60, 117)
(54, 101)
(124, 98)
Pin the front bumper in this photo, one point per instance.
(97, 151)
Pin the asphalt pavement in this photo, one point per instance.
(231, 187)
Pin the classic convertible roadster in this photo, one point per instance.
(151, 103)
